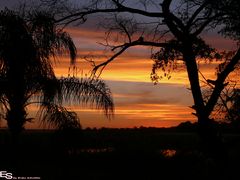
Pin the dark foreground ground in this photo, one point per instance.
(116, 154)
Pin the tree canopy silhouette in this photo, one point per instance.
(175, 30)
(27, 45)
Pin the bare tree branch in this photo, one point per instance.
(124, 47)
(220, 82)
(196, 13)
(174, 24)
(120, 8)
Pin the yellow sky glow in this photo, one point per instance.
(137, 101)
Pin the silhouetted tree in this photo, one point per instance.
(27, 45)
(226, 107)
(175, 30)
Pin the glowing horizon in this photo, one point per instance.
(138, 102)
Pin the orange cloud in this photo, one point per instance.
(138, 102)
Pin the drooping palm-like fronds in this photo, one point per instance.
(60, 117)
(84, 91)
(27, 45)
(46, 34)
(87, 91)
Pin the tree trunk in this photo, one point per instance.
(16, 115)
(16, 119)
(212, 143)
(193, 77)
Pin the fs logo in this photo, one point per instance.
(6, 175)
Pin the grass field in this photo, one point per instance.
(116, 154)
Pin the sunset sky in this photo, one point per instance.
(138, 102)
